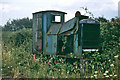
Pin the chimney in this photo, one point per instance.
(77, 14)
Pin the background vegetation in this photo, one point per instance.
(18, 60)
(17, 24)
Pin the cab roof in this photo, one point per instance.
(50, 11)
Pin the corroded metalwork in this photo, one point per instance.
(62, 37)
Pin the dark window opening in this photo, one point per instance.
(56, 18)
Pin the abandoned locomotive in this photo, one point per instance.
(52, 35)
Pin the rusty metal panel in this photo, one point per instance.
(90, 27)
(67, 33)
(54, 29)
(37, 32)
(76, 44)
(54, 11)
(90, 41)
(46, 25)
(41, 25)
(44, 30)
(51, 45)
(74, 30)
(89, 21)
(34, 34)
(77, 49)
(50, 20)
(68, 25)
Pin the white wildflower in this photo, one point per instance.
(112, 65)
(106, 76)
(76, 66)
(95, 75)
(86, 77)
(106, 71)
(115, 75)
(60, 60)
(110, 75)
(68, 72)
(91, 76)
(50, 71)
(75, 57)
(96, 71)
(116, 56)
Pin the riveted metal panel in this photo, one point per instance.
(91, 34)
(50, 12)
(68, 25)
(51, 45)
(54, 29)
(76, 44)
(34, 34)
(50, 21)
(37, 32)
(41, 25)
(44, 30)
(77, 48)
(89, 21)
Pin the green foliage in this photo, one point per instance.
(102, 19)
(18, 60)
(17, 24)
(17, 38)
(110, 32)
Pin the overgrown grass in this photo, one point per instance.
(18, 60)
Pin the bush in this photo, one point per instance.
(18, 58)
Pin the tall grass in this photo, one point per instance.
(18, 61)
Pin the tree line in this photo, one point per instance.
(17, 24)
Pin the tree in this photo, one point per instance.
(102, 19)
(17, 24)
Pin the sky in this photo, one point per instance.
(15, 9)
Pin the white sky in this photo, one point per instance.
(13, 9)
